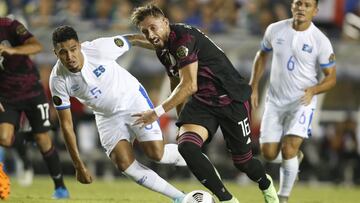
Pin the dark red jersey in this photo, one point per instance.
(218, 81)
(19, 78)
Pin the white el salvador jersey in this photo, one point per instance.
(102, 84)
(109, 90)
(295, 58)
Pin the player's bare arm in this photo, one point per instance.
(66, 124)
(1, 108)
(139, 40)
(256, 74)
(174, 82)
(326, 84)
(186, 87)
(31, 46)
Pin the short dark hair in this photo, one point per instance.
(64, 33)
(317, 2)
(140, 13)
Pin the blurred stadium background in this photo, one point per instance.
(332, 155)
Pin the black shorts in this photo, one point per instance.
(233, 119)
(36, 110)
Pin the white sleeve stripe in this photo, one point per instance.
(327, 65)
(264, 48)
(62, 107)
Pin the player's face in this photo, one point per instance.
(303, 10)
(69, 53)
(156, 30)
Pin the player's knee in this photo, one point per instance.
(189, 143)
(156, 155)
(242, 161)
(269, 156)
(187, 149)
(6, 140)
(288, 152)
(43, 141)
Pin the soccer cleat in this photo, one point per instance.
(233, 200)
(4, 184)
(283, 199)
(270, 195)
(61, 193)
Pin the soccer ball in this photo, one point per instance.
(198, 196)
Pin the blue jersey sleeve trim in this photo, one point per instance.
(62, 107)
(264, 48)
(328, 65)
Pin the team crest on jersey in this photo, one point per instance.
(57, 101)
(307, 48)
(182, 52)
(332, 58)
(21, 30)
(119, 42)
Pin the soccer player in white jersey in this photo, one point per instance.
(89, 72)
(298, 47)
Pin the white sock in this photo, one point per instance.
(172, 156)
(278, 159)
(146, 177)
(288, 172)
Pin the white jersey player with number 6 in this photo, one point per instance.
(300, 51)
(89, 72)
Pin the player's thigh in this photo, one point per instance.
(151, 132)
(122, 155)
(38, 113)
(290, 146)
(271, 129)
(199, 118)
(8, 122)
(235, 125)
(298, 121)
(112, 129)
(153, 149)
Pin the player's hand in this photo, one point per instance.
(83, 176)
(145, 118)
(2, 109)
(254, 98)
(6, 49)
(306, 99)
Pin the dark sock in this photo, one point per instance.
(189, 146)
(253, 169)
(52, 161)
(20, 146)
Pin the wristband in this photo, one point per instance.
(159, 111)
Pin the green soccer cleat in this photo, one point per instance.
(233, 200)
(270, 194)
(283, 199)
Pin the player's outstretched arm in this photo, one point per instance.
(1, 108)
(139, 40)
(256, 74)
(66, 124)
(31, 46)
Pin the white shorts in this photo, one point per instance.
(116, 127)
(294, 119)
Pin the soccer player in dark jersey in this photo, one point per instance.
(208, 92)
(21, 91)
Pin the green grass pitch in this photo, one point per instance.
(124, 191)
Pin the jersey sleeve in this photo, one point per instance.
(266, 42)
(326, 54)
(59, 95)
(111, 47)
(185, 49)
(19, 30)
